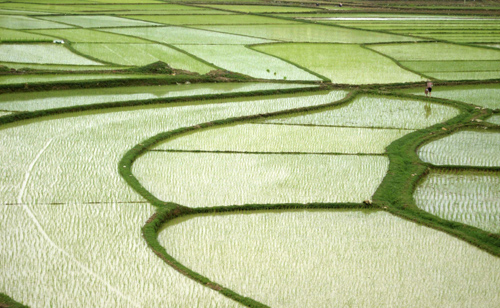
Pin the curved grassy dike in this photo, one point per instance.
(7, 302)
(395, 193)
(405, 170)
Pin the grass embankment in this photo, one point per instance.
(7, 302)
(394, 195)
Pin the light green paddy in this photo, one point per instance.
(89, 36)
(240, 59)
(286, 138)
(308, 33)
(465, 148)
(334, 259)
(485, 95)
(98, 21)
(226, 19)
(24, 22)
(46, 78)
(143, 54)
(381, 112)
(7, 35)
(341, 63)
(468, 197)
(212, 179)
(180, 35)
(32, 101)
(42, 54)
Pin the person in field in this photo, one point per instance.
(428, 88)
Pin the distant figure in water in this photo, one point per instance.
(428, 89)
(340, 4)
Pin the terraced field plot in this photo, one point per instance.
(246, 61)
(24, 22)
(308, 33)
(451, 59)
(89, 36)
(288, 168)
(60, 99)
(466, 148)
(180, 35)
(376, 112)
(98, 21)
(142, 54)
(211, 19)
(341, 63)
(485, 95)
(251, 253)
(41, 53)
(464, 196)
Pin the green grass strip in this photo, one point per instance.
(395, 193)
(7, 302)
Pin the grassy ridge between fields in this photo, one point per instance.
(7, 302)
(394, 195)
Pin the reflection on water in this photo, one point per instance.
(428, 109)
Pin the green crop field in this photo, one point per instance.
(249, 154)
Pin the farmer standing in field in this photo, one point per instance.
(428, 89)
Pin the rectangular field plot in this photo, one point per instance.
(57, 99)
(46, 78)
(348, 64)
(23, 22)
(88, 36)
(372, 111)
(7, 35)
(285, 138)
(468, 197)
(464, 148)
(98, 21)
(210, 19)
(244, 60)
(436, 51)
(300, 258)
(208, 179)
(42, 53)
(308, 33)
(80, 249)
(485, 95)
(142, 54)
(179, 35)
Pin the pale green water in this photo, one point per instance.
(89, 36)
(58, 99)
(243, 60)
(24, 22)
(472, 198)
(308, 33)
(42, 54)
(436, 51)
(334, 259)
(349, 64)
(226, 19)
(481, 95)
(143, 54)
(466, 148)
(286, 138)
(16, 79)
(180, 35)
(208, 179)
(372, 111)
(98, 21)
